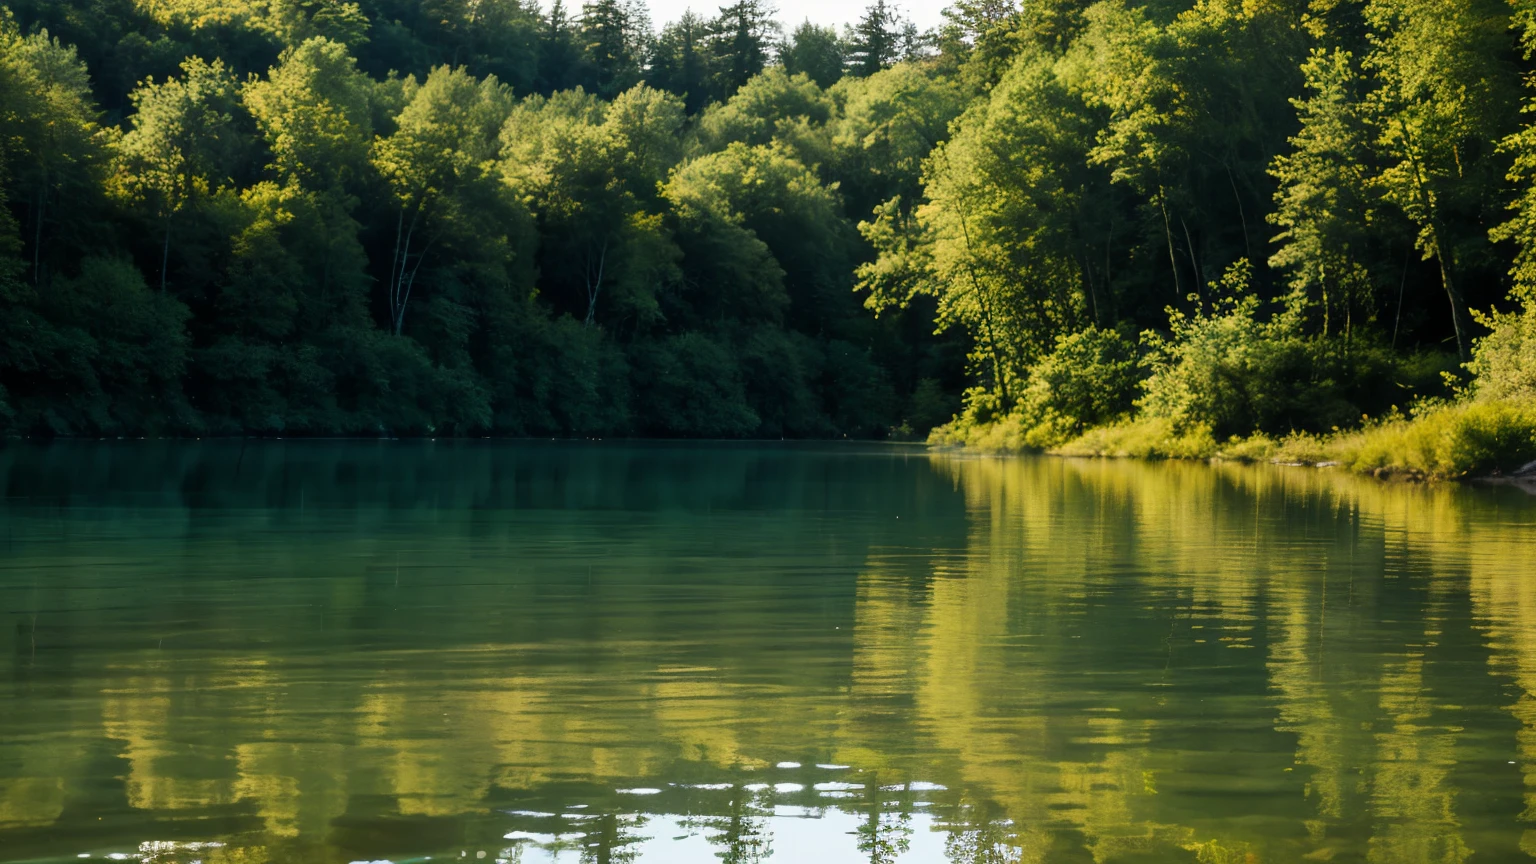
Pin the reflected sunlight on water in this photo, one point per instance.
(346, 651)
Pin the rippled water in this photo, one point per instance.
(343, 651)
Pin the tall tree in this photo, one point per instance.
(815, 51)
(680, 61)
(1325, 202)
(314, 110)
(51, 148)
(561, 61)
(607, 42)
(1446, 92)
(875, 41)
(991, 244)
(437, 162)
(739, 43)
(180, 144)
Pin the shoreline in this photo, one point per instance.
(1464, 441)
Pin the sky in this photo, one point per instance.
(791, 12)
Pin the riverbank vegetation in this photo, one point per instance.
(1292, 229)
(1300, 231)
(456, 217)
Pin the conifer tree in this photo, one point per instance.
(875, 42)
(608, 46)
(739, 44)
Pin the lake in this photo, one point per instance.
(286, 651)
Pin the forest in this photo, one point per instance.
(1284, 228)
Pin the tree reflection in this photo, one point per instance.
(740, 833)
(1100, 661)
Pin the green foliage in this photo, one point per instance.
(1325, 202)
(1226, 369)
(888, 124)
(472, 216)
(1090, 379)
(1504, 361)
(681, 63)
(1447, 90)
(1144, 438)
(694, 388)
(1480, 437)
(987, 244)
(314, 111)
(874, 42)
(774, 106)
(816, 52)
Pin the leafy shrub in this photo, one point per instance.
(1225, 369)
(691, 385)
(1144, 438)
(1455, 440)
(1504, 362)
(1089, 380)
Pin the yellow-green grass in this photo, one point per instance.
(1457, 440)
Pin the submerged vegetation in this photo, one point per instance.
(1291, 229)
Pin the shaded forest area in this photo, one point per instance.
(1198, 220)
(456, 217)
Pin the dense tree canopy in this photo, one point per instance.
(487, 217)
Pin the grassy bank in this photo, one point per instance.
(1448, 441)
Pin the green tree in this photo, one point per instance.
(773, 106)
(297, 21)
(889, 123)
(1445, 93)
(608, 43)
(814, 51)
(990, 243)
(875, 41)
(740, 38)
(680, 61)
(52, 142)
(561, 61)
(180, 146)
(313, 109)
(1325, 200)
(439, 158)
(589, 173)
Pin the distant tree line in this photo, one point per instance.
(454, 217)
(483, 217)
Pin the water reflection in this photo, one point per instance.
(339, 651)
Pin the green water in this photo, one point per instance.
(342, 651)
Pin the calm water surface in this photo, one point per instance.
(342, 651)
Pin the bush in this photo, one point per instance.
(1144, 438)
(1470, 438)
(1226, 370)
(1090, 379)
(1504, 362)
(690, 385)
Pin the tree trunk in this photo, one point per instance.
(1194, 262)
(595, 287)
(1173, 259)
(37, 234)
(1461, 319)
(165, 252)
